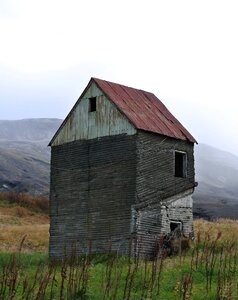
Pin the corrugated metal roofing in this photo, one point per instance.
(144, 110)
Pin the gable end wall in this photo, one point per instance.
(81, 124)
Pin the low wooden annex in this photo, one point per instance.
(122, 171)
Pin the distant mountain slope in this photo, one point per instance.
(24, 155)
(217, 176)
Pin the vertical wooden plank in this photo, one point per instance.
(82, 115)
(119, 123)
(92, 128)
(102, 116)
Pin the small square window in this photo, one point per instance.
(175, 226)
(180, 164)
(92, 104)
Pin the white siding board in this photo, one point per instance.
(107, 120)
(92, 128)
(103, 116)
(82, 120)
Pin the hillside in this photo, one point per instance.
(25, 158)
(24, 155)
(32, 130)
(217, 191)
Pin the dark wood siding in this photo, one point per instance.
(92, 190)
(155, 167)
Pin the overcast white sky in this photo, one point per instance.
(185, 52)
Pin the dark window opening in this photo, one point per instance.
(175, 226)
(180, 164)
(92, 104)
(175, 229)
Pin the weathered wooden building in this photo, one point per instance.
(122, 168)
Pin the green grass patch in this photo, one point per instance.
(27, 261)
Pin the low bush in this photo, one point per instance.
(38, 204)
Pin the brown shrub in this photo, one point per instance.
(36, 203)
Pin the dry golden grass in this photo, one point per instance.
(226, 227)
(36, 240)
(21, 216)
(19, 222)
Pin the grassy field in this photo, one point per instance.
(208, 270)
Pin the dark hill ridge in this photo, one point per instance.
(25, 166)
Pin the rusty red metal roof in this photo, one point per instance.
(144, 110)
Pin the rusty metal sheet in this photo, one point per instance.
(144, 110)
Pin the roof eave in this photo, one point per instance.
(192, 140)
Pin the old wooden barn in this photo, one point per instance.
(122, 168)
